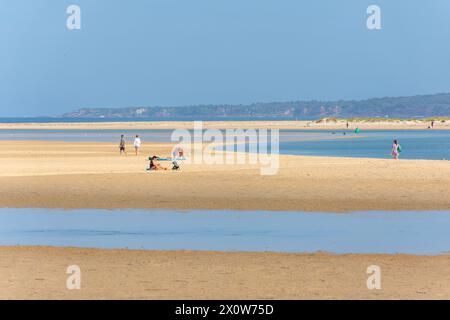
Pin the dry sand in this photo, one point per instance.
(40, 273)
(92, 175)
(300, 125)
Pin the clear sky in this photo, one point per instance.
(181, 52)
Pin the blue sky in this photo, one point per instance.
(179, 52)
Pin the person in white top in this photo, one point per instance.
(137, 144)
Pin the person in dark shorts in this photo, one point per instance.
(122, 145)
(155, 165)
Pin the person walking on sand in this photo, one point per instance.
(137, 144)
(396, 149)
(122, 145)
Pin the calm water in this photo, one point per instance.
(369, 232)
(425, 144)
(146, 135)
(140, 119)
(86, 135)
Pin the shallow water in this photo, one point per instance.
(151, 135)
(86, 135)
(424, 144)
(416, 144)
(365, 232)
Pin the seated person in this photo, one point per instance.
(155, 165)
(178, 152)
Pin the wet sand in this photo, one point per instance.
(40, 273)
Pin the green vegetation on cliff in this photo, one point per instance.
(423, 106)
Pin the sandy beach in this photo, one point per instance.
(92, 175)
(68, 175)
(224, 150)
(324, 124)
(40, 273)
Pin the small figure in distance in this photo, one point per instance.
(396, 149)
(122, 145)
(137, 144)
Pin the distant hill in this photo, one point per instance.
(420, 106)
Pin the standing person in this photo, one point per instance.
(347, 124)
(432, 124)
(137, 144)
(396, 149)
(122, 145)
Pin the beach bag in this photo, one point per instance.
(399, 148)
